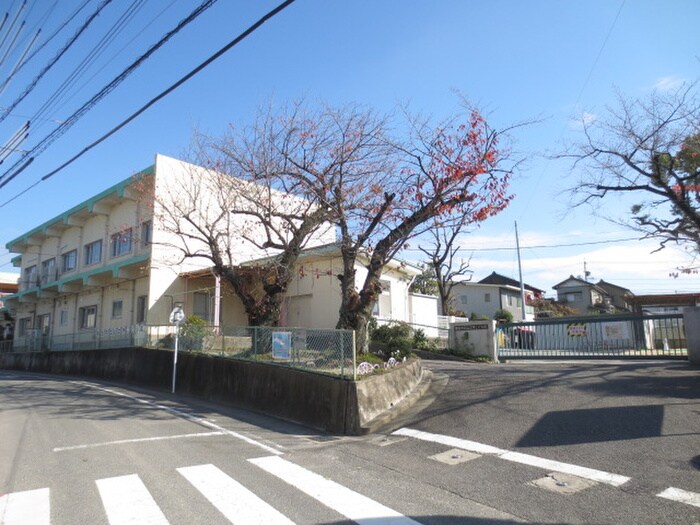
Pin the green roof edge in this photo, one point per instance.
(118, 187)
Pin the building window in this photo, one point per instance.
(30, 277)
(93, 252)
(63, 319)
(88, 317)
(24, 326)
(463, 299)
(48, 270)
(573, 297)
(117, 308)
(69, 261)
(121, 243)
(146, 232)
(141, 304)
(487, 297)
(201, 305)
(43, 323)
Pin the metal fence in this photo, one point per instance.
(323, 351)
(602, 336)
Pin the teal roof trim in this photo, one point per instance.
(118, 188)
(83, 276)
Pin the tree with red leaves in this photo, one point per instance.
(456, 169)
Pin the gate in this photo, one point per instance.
(604, 336)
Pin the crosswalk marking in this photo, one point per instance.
(517, 457)
(127, 501)
(350, 504)
(30, 507)
(680, 495)
(234, 501)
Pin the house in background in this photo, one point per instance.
(587, 298)
(108, 266)
(493, 293)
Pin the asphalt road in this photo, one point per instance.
(490, 444)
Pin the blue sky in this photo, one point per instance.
(548, 60)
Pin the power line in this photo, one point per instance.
(53, 61)
(513, 248)
(158, 97)
(70, 121)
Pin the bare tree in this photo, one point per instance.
(645, 149)
(269, 188)
(453, 169)
(442, 257)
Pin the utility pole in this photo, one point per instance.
(520, 272)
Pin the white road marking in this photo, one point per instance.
(184, 415)
(30, 507)
(583, 472)
(350, 504)
(681, 496)
(127, 501)
(234, 501)
(138, 440)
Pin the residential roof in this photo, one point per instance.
(605, 284)
(671, 299)
(497, 278)
(323, 250)
(581, 283)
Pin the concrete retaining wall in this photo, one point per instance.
(324, 402)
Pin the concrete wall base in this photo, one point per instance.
(328, 403)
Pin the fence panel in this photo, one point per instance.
(323, 351)
(651, 336)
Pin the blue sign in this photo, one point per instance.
(281, 345)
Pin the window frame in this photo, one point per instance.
(146, 233)
(117, 311)
(68, 256)
(84, 317)
(121, 243)
(89, 252)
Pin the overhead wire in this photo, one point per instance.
(30, 87)
(90, 58)
(270, 14)
(29, 156)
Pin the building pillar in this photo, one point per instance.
(691, 321)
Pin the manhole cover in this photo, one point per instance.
(562, 483)
(454, 456)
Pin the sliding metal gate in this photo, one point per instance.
(604, 336)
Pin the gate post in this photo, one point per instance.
(691, 322)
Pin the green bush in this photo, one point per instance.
(192, 333)
(395, 338)
(503, 316)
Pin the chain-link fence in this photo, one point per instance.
(324, 351)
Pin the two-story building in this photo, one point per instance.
(108, 265)
(586, 297)
(495, 292)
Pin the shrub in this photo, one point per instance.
(503, 316)
(192, 333)
(395, 338)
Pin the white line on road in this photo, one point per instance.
(350, 504)
(472, 446)
(30, 507)
(184, 415)
(127, 501)
(234, 501)
(680, 495)
(139, 440)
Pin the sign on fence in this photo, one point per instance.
(281, 345)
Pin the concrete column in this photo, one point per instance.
(691, 320)
(478, 338)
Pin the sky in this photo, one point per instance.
(546, 61)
